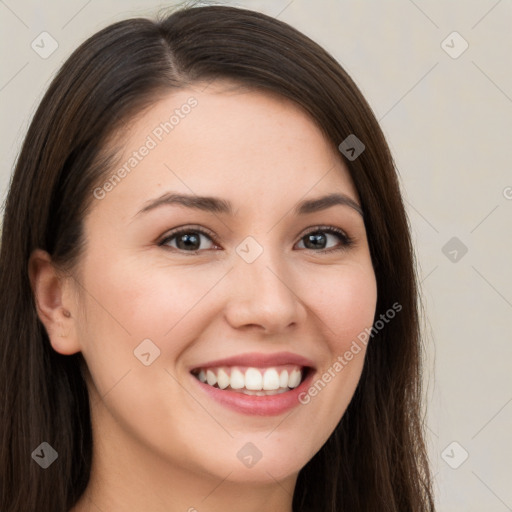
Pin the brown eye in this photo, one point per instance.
(318, 239)
(188, 240)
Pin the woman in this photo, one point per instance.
(208, 296)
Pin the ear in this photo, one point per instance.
(52, 295)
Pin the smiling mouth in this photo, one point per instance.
(267, 381)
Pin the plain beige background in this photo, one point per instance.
(447, 113)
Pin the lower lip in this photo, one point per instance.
(270, 405)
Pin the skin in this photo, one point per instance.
(160, 443)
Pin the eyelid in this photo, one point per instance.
(323, 227)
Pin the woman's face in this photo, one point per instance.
(211, 256)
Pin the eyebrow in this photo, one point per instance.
(218, 205)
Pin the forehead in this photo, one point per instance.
(225, 140)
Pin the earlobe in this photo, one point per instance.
(51, 297)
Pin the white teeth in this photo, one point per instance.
(283, 379)
(237, 379)
(260, 382)
(211, 378)
(255, 393)
(264, 393)
(253, 379)
(222, 379)
(294, 379)
(271, 379)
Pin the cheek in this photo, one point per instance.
(344, 300)
(129, 303)
(345, 307)
(148, 301)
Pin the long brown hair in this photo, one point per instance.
(376, 457)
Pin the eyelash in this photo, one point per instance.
(345, 239)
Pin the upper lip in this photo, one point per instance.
(258, 360)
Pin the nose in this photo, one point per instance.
(263, 295)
